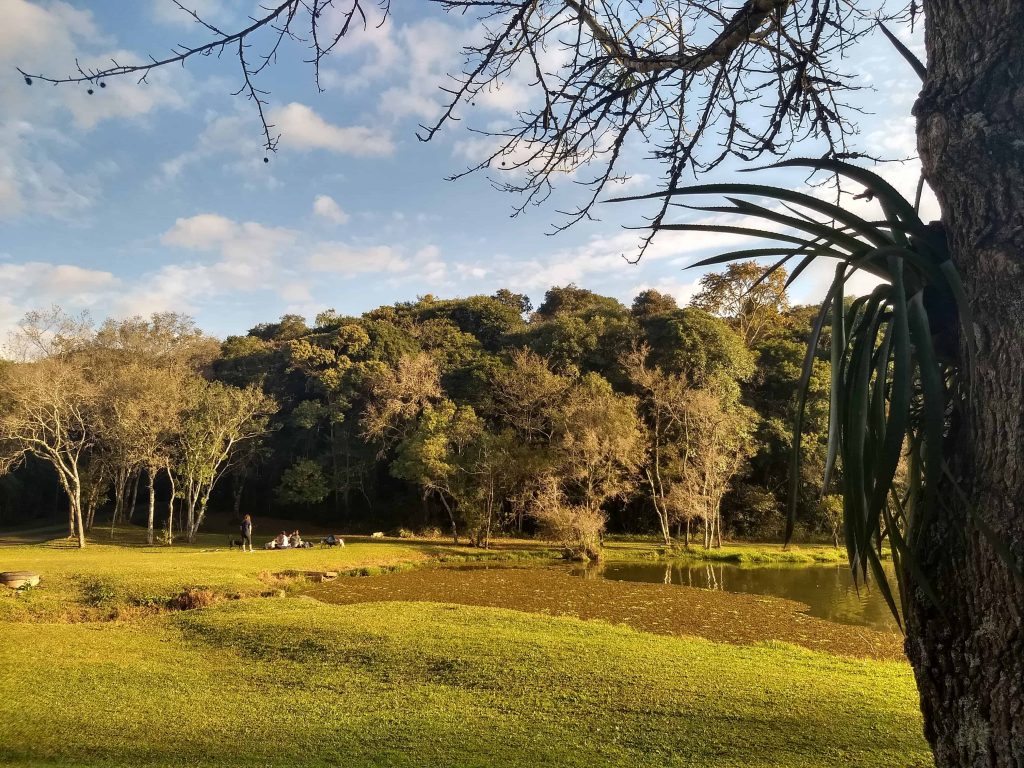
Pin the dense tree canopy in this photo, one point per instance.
(462, 414)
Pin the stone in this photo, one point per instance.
(18, 579)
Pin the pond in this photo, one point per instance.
(827, 590)
(757, 615)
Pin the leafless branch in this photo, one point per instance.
(691, 83)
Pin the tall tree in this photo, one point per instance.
(598, 442)
(217, 418)
(754, 304)
(662, 401)
(47, 409)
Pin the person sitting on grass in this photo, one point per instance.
(281, 542)
(295, 540)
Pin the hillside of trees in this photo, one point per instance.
(468, 417)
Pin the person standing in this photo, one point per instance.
(246, 532)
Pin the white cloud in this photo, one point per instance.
(326, 207)
(414, 61)
(53, 282)
(203, 232)
(35, 284)
(33, 183)
(234, 136)
(212, 11)
(349, 260)
(50, 39)
(303, 129)
(249, 252)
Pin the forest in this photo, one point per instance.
(464, 418)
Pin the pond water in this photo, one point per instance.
(827, 590)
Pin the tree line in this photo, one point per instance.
(478, 416)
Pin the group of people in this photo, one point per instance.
(281, 541)
(288, 541)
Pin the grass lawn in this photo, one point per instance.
(125, 578)
(295, 682)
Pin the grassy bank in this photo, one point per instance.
(94, 670)
(296, 682)
(738, 554)
(126, 579)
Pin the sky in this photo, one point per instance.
(156, 197)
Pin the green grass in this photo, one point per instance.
(296, 682)
(739, 554)
(95, 671)
(110, 580)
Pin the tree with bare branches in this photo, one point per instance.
(46, 410)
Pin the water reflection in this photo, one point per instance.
(828, 591)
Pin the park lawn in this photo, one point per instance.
(295, 682)
(95, 670)
(118, 580)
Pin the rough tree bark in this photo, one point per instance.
(969, 657)
(150, 487)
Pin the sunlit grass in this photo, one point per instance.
(107, 579)
(291, 681)
(296, 682)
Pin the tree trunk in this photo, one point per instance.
(150, 486)
(660, 509)
(170, 506)
(237, 489)
(135, 496)
(75, 499)
(451, 517)
(969, 658)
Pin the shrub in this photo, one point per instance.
(98, 592)
(191, 598)
(577, 528)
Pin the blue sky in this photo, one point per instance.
(155, 197)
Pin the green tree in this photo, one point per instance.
(303, 483)
(598, 442)
(755, 305)
(216, 419)
(697, 345)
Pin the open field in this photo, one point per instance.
(95, 671)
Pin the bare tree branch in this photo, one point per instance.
(690, 83)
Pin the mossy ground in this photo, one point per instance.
(292, 681)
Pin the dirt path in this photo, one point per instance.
(665, 609)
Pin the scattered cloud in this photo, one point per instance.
(249, 253)
(37, 175)
(303, 129)
(326, 207)
(35, 284)
(212, 11)
(349, 260)
(234, 137)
